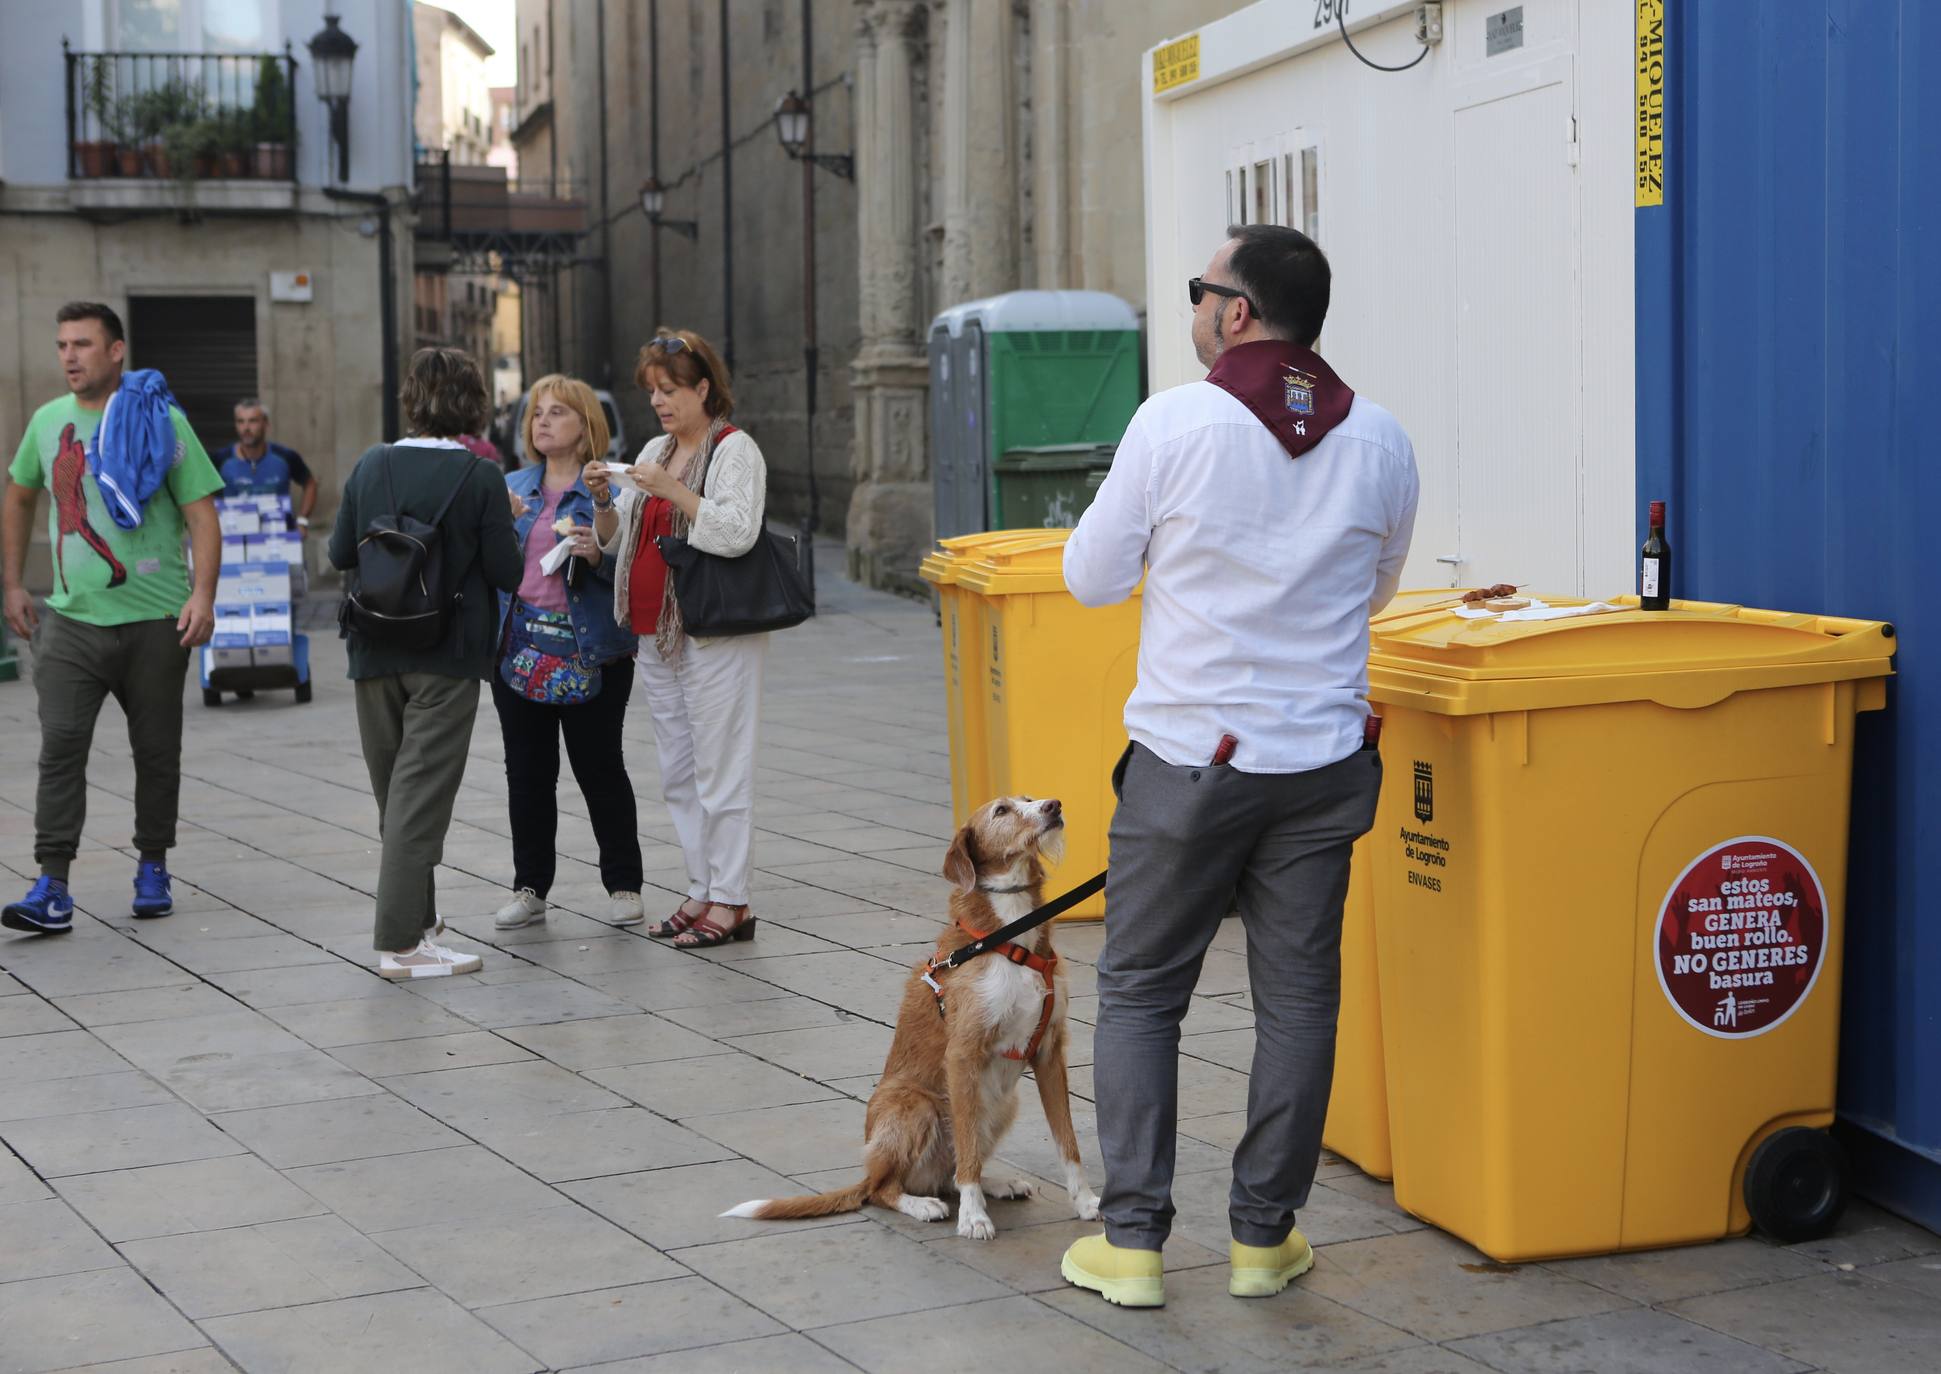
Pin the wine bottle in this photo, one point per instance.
(1654, 565)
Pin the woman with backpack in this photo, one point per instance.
(704, 480)
(424, 534)
(564, 665)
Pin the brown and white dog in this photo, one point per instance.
(949, 1089)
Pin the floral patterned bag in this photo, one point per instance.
(541, 661)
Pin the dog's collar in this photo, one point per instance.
(1005, 891)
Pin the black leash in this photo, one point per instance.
(1030, 921)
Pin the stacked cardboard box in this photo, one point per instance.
(262, 567)
(253, 626)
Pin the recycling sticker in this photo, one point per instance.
(1741, 937)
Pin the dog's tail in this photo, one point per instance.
(808, 1205)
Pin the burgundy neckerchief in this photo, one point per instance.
(1290, 389)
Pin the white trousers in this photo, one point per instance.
(706, 710)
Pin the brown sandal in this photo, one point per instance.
(704, 933)
(675, 924)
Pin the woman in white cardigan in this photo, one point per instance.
(704, 480)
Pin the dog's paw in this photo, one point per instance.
(1016, 1190)
(923, 1208)
(976, 1227)
(1086, 1205)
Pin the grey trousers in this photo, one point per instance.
(1187, 844)
(416, 729)
(77, 667)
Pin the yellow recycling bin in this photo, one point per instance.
(1609, 871)
(1357, 1124)
(961, 619)
(1043, 684)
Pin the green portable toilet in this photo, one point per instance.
(1024, 370)
(1047, 485)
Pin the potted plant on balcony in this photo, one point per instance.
(235, 141)
(194, 148)
(96, 157)
(273, 117)
(161, 117)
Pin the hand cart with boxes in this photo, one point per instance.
(256, 646)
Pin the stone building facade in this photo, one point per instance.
(273, 284)
(996, 146)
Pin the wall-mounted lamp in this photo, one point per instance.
(333, 50)
(653, 199)
(792, 116)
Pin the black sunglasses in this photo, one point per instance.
(1196, 290)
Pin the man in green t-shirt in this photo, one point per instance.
(120, 622)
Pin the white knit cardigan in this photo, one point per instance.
(733, 502)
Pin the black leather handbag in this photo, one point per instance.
(766, 588)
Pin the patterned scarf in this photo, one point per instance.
(670, 634)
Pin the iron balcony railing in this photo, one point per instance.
(181, 115)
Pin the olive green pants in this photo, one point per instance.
(416, 729)
(77, 667)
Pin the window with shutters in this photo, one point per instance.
(206, 347)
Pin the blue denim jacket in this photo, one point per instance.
(589, 605)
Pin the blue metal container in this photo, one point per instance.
(1788, 372)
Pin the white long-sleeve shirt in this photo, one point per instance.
(1261, 574)
(727, 524)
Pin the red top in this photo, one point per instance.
(647, 578)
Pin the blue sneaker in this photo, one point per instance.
(152, 897)
(45, 910)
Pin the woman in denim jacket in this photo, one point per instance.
(563, 665)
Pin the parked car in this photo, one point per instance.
(510, 431)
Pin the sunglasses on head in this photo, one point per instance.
(1196, 290)
(668, 343)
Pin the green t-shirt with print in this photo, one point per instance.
(104, 574)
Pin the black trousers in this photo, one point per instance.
(532, 732)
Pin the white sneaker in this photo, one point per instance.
(623, 909)
(428, 961)
(525, 908)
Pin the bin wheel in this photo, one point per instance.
(303, 691)
(211, 697)
(1796, 1184)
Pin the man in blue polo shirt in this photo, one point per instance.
(255, 465)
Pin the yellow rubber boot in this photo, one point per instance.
(1260, 1271)
(1131, 1278)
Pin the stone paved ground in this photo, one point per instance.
(228, 1144)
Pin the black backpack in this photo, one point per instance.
(399, 594)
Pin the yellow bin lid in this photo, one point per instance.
(1696, 654)
(942, 564)
(1030, 565)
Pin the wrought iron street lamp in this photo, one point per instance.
(792, 127)
(333, 50)
(653, 199)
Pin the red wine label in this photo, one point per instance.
(1741, 937)
(1651, 566)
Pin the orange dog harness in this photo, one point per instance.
(1044, 965)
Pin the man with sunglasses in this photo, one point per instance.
(1268, 509)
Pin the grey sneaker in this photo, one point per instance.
(623, 909)
(524, 909)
